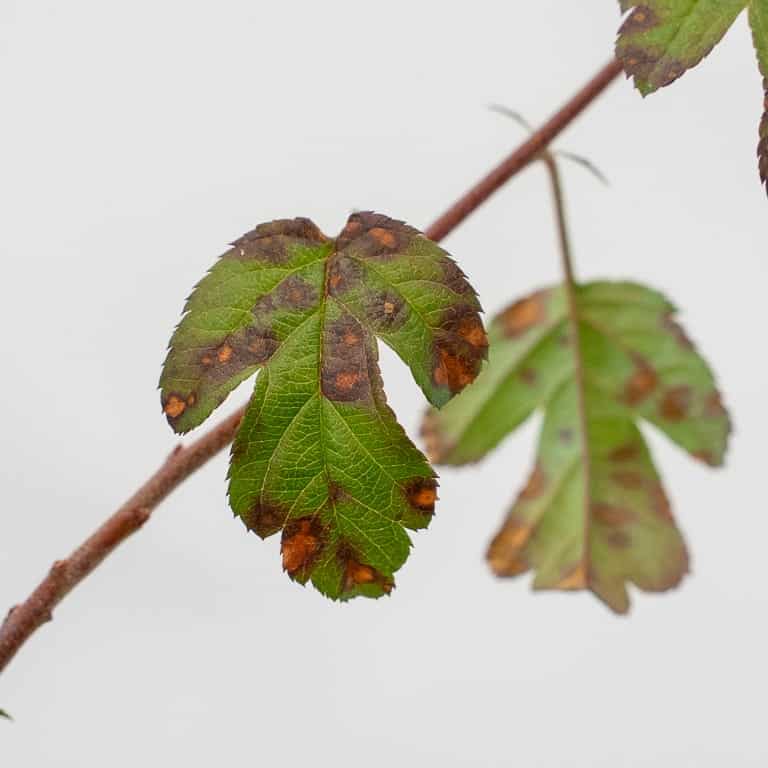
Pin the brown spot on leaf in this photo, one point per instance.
(454, 277)
(528, 376)
(359, 574)
(713, 406)
(535, 486)
(524, 314)
(375, 235)
(224, 353)
(264, 519)
(470, 328)
(707, 457)
(671, 70)
(640, 20)
(191, 399)
(422, 494)
(174, 406)
(345, 376)
(660, 502)
(301, 544)
(626, 452)
(610, 514)
(628, 479)
(206, 360)
(459, 348)
(636, 61)
(640, 384)
(565, 436)
(575, 578)
(296, 293)
(504, 553)
(343, 274)
(387, 311)
(619, 539)
(268, 242)
(676, 403)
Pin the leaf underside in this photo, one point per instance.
(593, 514)
(319, 454)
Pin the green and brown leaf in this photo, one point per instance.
(660, 40)
(593, 514)
(319, 455)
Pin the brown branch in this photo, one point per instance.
(37, 609)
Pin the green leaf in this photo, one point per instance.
(319, 454)
(758, 21)
(4, 714)
(661, 39)
(593, 513)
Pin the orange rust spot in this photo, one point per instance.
(389, 308)
(346, 380)
(472, 331)
(523, 315)
(174, 407)
(676, 402)
(358, 574)
(641, 384)
(351, 338)
(192, 399)
(383, 237)
(423, 496)
(535, 486)
(453, 371)
(335, 280)
(224, 353)
(576, 579)
(206, 360)
(299, 549)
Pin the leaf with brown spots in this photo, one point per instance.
(319, 455)
(660, 40)
(593, 513)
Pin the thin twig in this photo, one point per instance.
(525, 153)
(569, 282)
(36, 610)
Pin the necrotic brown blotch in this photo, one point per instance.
(269, 242)
(264, 519)
(386, 311)
(421, 493)
(345, 366)
(301, 545)
(460, 347)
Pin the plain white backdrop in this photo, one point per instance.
(136, 140)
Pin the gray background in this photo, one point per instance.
(136, 140)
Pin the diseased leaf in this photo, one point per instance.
(758, 21)
(593, 514)
(320, 455)
(661, 39)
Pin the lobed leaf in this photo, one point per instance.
(661, 39)
(319, 455)
(593, 514)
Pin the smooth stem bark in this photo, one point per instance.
(64, 575)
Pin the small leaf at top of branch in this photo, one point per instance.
(593, 514)
(319, 455)
(5, 715)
